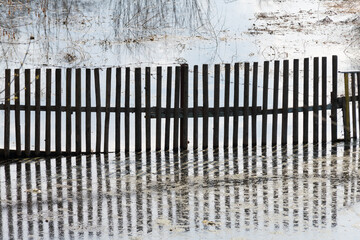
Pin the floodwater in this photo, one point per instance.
(309, 192)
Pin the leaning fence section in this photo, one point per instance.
(75, 111)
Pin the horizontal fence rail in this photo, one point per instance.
(74, 111)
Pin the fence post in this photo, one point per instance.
(184, 107)
(334, 99)
(347, 110)
(138, 125)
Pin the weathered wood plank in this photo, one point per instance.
(7, 114)
(176, 108)
(353, 104)
(296, 103)
(98, 112)
(184, 88)
(78, 134)
(37, 111)
(316, 100)
(17, 111)
(107, 112)
(27, 112)
(205, 76)
(265, 103)
(168, 107)
(88, 112)
(254, 103)
(127, 106)
(48, 113)
(148, 105)
(275, 103)
(306, 101)
(58, 91)
(216, 106)
(324, 100)
(117, 114)
(284, 123)
(333, 99)
(138, 119)
(227, 103)
(196, 109)
(68, 111)
(158, 105)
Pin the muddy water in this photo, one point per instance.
(308, 192)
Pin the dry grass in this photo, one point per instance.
(346, 6)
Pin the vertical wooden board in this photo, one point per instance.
(353, 104)
(196, 96)
(205, 76)
(68, 110)
(227, 103)
(184, 106)
(17, 111)
(254, 104)
(168, 107)
(138, 125)
(246, 104)
(236, 105)
(158, 107)
(176, 108)
(148, 105)
(78, 111)
(306, 102)
(107, 110)
(296, 103)
(127, 109)
(323, 97)
(7, 114)
(275, 102)
(27, 112)
(265, 103)
(358, 85)
(98, 109)
(117, 110)
(88, 111)
(58, 111)
(37, 111)
(216, 106)
(48, 113)
(284, 123)
(316, 100)
(334, 99)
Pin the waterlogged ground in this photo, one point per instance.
(90, 33)
(305, 193)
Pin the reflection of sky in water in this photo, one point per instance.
(303, 193)
(107, 33)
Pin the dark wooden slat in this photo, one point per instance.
(17, 111)
(227, 103)
(7, 114)
(88, 113)
(168, 107)
(333, 99)
(117, 113)
(127, 106)
(216, 106)
(275, 103)
(68, 111)
(358, 85)
(176, 108)
(306, 101)
(98, 112)
(184, 88)
(196, 96)
(246, 105)
(265, 103)
(148, 105)
(323, 96)
(236, 105)
(107, 112)
(254, 103)
(37, 111)
(78, 144)
(316, 100)
(138, 98)
(353, 104)
(296, 103)
(284, 123)
(48, 113)
(158, 105)
(205, 74)
(27, 112)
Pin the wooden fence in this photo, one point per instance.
(182, 105)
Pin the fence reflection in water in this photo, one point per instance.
(165, 194)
